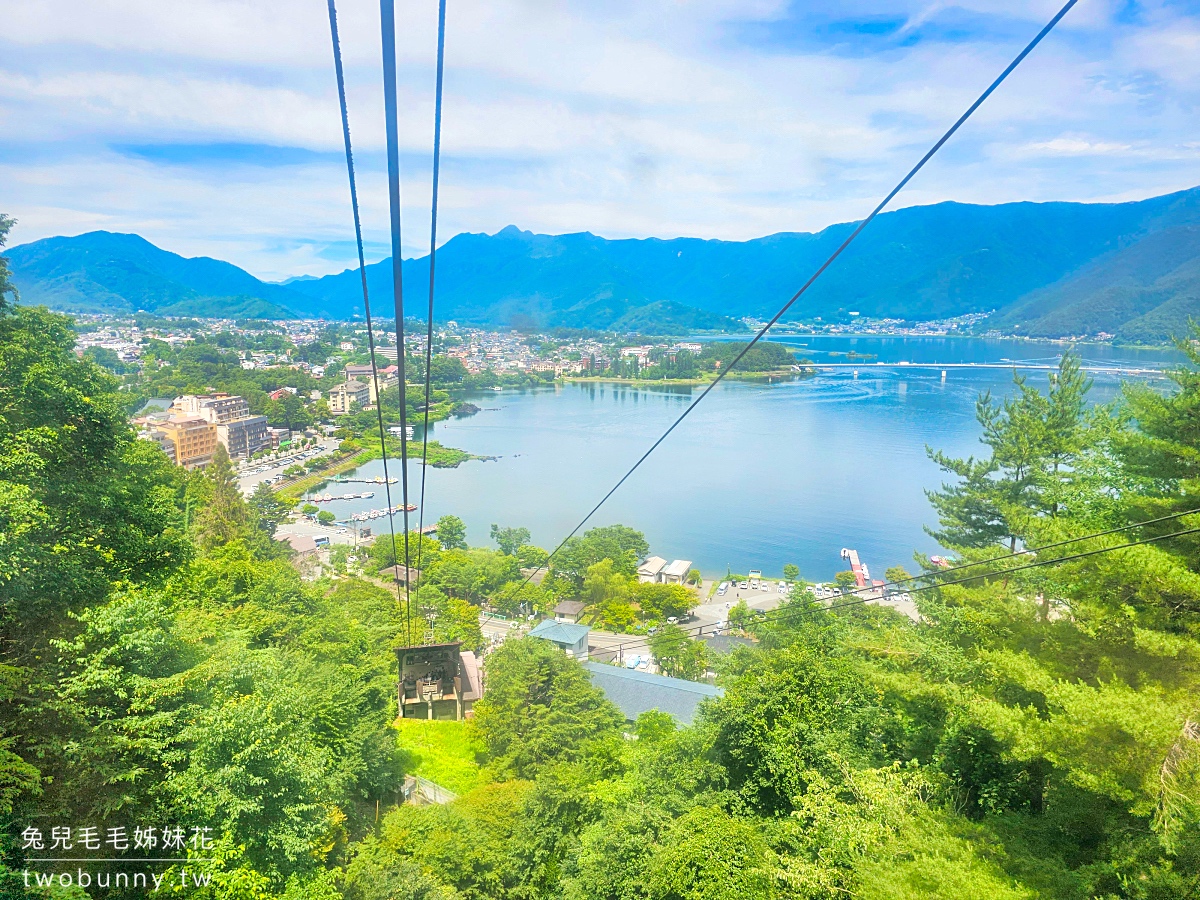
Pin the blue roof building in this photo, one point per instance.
(635, 692)
(568, 637)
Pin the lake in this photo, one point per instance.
(760, 475)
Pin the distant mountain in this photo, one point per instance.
(1143, 292)
(1048, 268)
(117, 273)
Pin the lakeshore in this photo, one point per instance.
(764, 473)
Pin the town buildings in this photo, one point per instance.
(348, 395)
(193, 440)
(241, 434)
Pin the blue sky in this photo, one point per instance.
(211, 127)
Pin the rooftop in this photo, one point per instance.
(560, 632)
(652, 566)
(679, 568)
(635, 692)
(570, 607)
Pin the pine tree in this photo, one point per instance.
(1036, 439)
(225, 516)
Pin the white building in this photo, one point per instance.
(350, 393)
(656, 570)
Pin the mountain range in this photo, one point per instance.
(1044, 269)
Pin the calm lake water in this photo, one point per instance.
(760, 475)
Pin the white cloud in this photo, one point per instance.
(662, 117)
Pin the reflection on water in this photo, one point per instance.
(761, 474)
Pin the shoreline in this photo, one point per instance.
(804, 372)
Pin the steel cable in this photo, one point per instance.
(387, 16)
(433, 211)
(817, 274)
(362, 272)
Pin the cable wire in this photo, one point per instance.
(362, 271)
(789, 614)
(433, 211)
(817, 274)
(387, 16)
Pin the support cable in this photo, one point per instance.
(387, 15)
(362, 272)
(437, 161)
(817, 274)
(789, 614)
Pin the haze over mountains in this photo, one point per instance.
(1047, 269)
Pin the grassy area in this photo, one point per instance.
(443, 752)
(439, 458)
(292, 491)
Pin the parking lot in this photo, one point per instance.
(250, 475)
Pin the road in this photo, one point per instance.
(603, 645)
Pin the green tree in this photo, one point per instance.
(288, 412)
(677, 654)
(1036, 441)
(845, 580)
(325, 517)
(662, 601)
(108, 359)
(532, 557)
(7, 288)
(540, 707)
(739, 615)
(268, 508)
(452, 533)
(708, 855)
(619, 543)
(224, 516)
(310, 509)
(791, 572)
(509, 540)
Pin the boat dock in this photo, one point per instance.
(328, 498)
(380, 513)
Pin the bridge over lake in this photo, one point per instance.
(1025, 367)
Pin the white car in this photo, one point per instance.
(783, 586)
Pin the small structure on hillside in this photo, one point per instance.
(635, 692)
(571, 638)
(438, 681)
(656, 570)
(400, 575)
(569, 611)
(302, 544)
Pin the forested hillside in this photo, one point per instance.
(1037, 735)
(1143, 293)
(123, 273)
(1051, 269)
